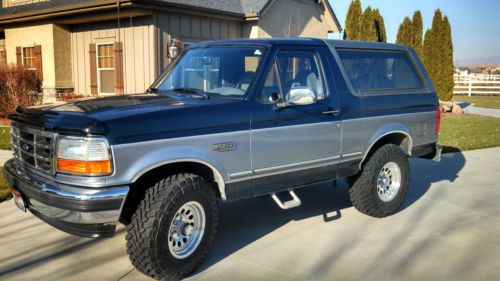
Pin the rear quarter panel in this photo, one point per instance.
(366, 117)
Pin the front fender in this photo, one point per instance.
(133, 163)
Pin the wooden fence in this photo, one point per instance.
(480, 84)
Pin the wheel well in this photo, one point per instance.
(148, 179)
(401, 139)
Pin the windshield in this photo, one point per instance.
(213, 72)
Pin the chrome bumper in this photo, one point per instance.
(77, 210)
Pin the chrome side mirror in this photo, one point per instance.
(299, 96)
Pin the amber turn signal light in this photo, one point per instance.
(84, 167)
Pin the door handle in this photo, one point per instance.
(331, 112)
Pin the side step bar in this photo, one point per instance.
(295, 202)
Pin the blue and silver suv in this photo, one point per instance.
(227, 120)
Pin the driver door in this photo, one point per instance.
(292, 144)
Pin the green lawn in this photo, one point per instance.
(466, 132)
(5, 138)
(4, 187)
(480, 101)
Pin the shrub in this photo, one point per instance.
(18, 87)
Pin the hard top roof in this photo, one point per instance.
(305, 41)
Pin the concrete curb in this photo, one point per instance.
(471, 108)
(4, 156)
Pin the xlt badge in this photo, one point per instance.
(224, 146)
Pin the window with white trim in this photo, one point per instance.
(105, 68)
(29, 58)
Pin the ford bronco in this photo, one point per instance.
(227, 120)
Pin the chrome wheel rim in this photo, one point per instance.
(388, 181)
(186, 230)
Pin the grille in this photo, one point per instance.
(33, 147)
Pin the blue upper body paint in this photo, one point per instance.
(151, 116)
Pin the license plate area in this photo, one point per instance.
(19, 200)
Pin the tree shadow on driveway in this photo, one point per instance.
(242, 223)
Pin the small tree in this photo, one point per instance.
(353, 21)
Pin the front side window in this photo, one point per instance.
(301, 69)
(376, 70)
(215, 71)
(106, 68)
(29, 58)
(271, 92)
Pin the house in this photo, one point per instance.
(105, 47)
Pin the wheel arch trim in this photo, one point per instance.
(383, 133)
(219, 180)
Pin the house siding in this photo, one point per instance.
(145, 44)
(294, 18)
(191, 29)
(136, 35)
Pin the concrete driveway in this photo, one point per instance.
(449, 229)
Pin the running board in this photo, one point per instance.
(295, 202)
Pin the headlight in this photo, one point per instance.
(84, 156)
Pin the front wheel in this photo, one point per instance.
(380, 188)
(173, 228)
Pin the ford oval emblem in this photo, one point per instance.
(25, 147)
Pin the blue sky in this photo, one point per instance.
(475, 24)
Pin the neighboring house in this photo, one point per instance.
(110, 47)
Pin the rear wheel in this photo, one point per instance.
(381, 187)
(173, 228)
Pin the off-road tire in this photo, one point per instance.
(147, 234)
(363, 191)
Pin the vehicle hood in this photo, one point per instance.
(127, 115)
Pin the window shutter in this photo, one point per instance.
(18, 56)
(4, 57)
(118, 49)
(38, 62)
(93, 69)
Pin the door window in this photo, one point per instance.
(301, 69)
(271, 92)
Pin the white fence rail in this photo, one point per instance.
(476, 84)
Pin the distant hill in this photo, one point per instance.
(476, 61)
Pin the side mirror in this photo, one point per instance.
(299, 96)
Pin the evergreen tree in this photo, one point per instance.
(368, 31)
(438, 55)
(447, 69)
(417, 30)
(353, 21)
(379, 26)
(404, 32)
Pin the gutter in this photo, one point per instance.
(96, 6)
(63, 11)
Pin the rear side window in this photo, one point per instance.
(379, 70)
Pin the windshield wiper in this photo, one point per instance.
(192, 91)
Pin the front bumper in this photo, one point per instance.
(77, 210)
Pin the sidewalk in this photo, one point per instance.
(471, 109)
(448, 229)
